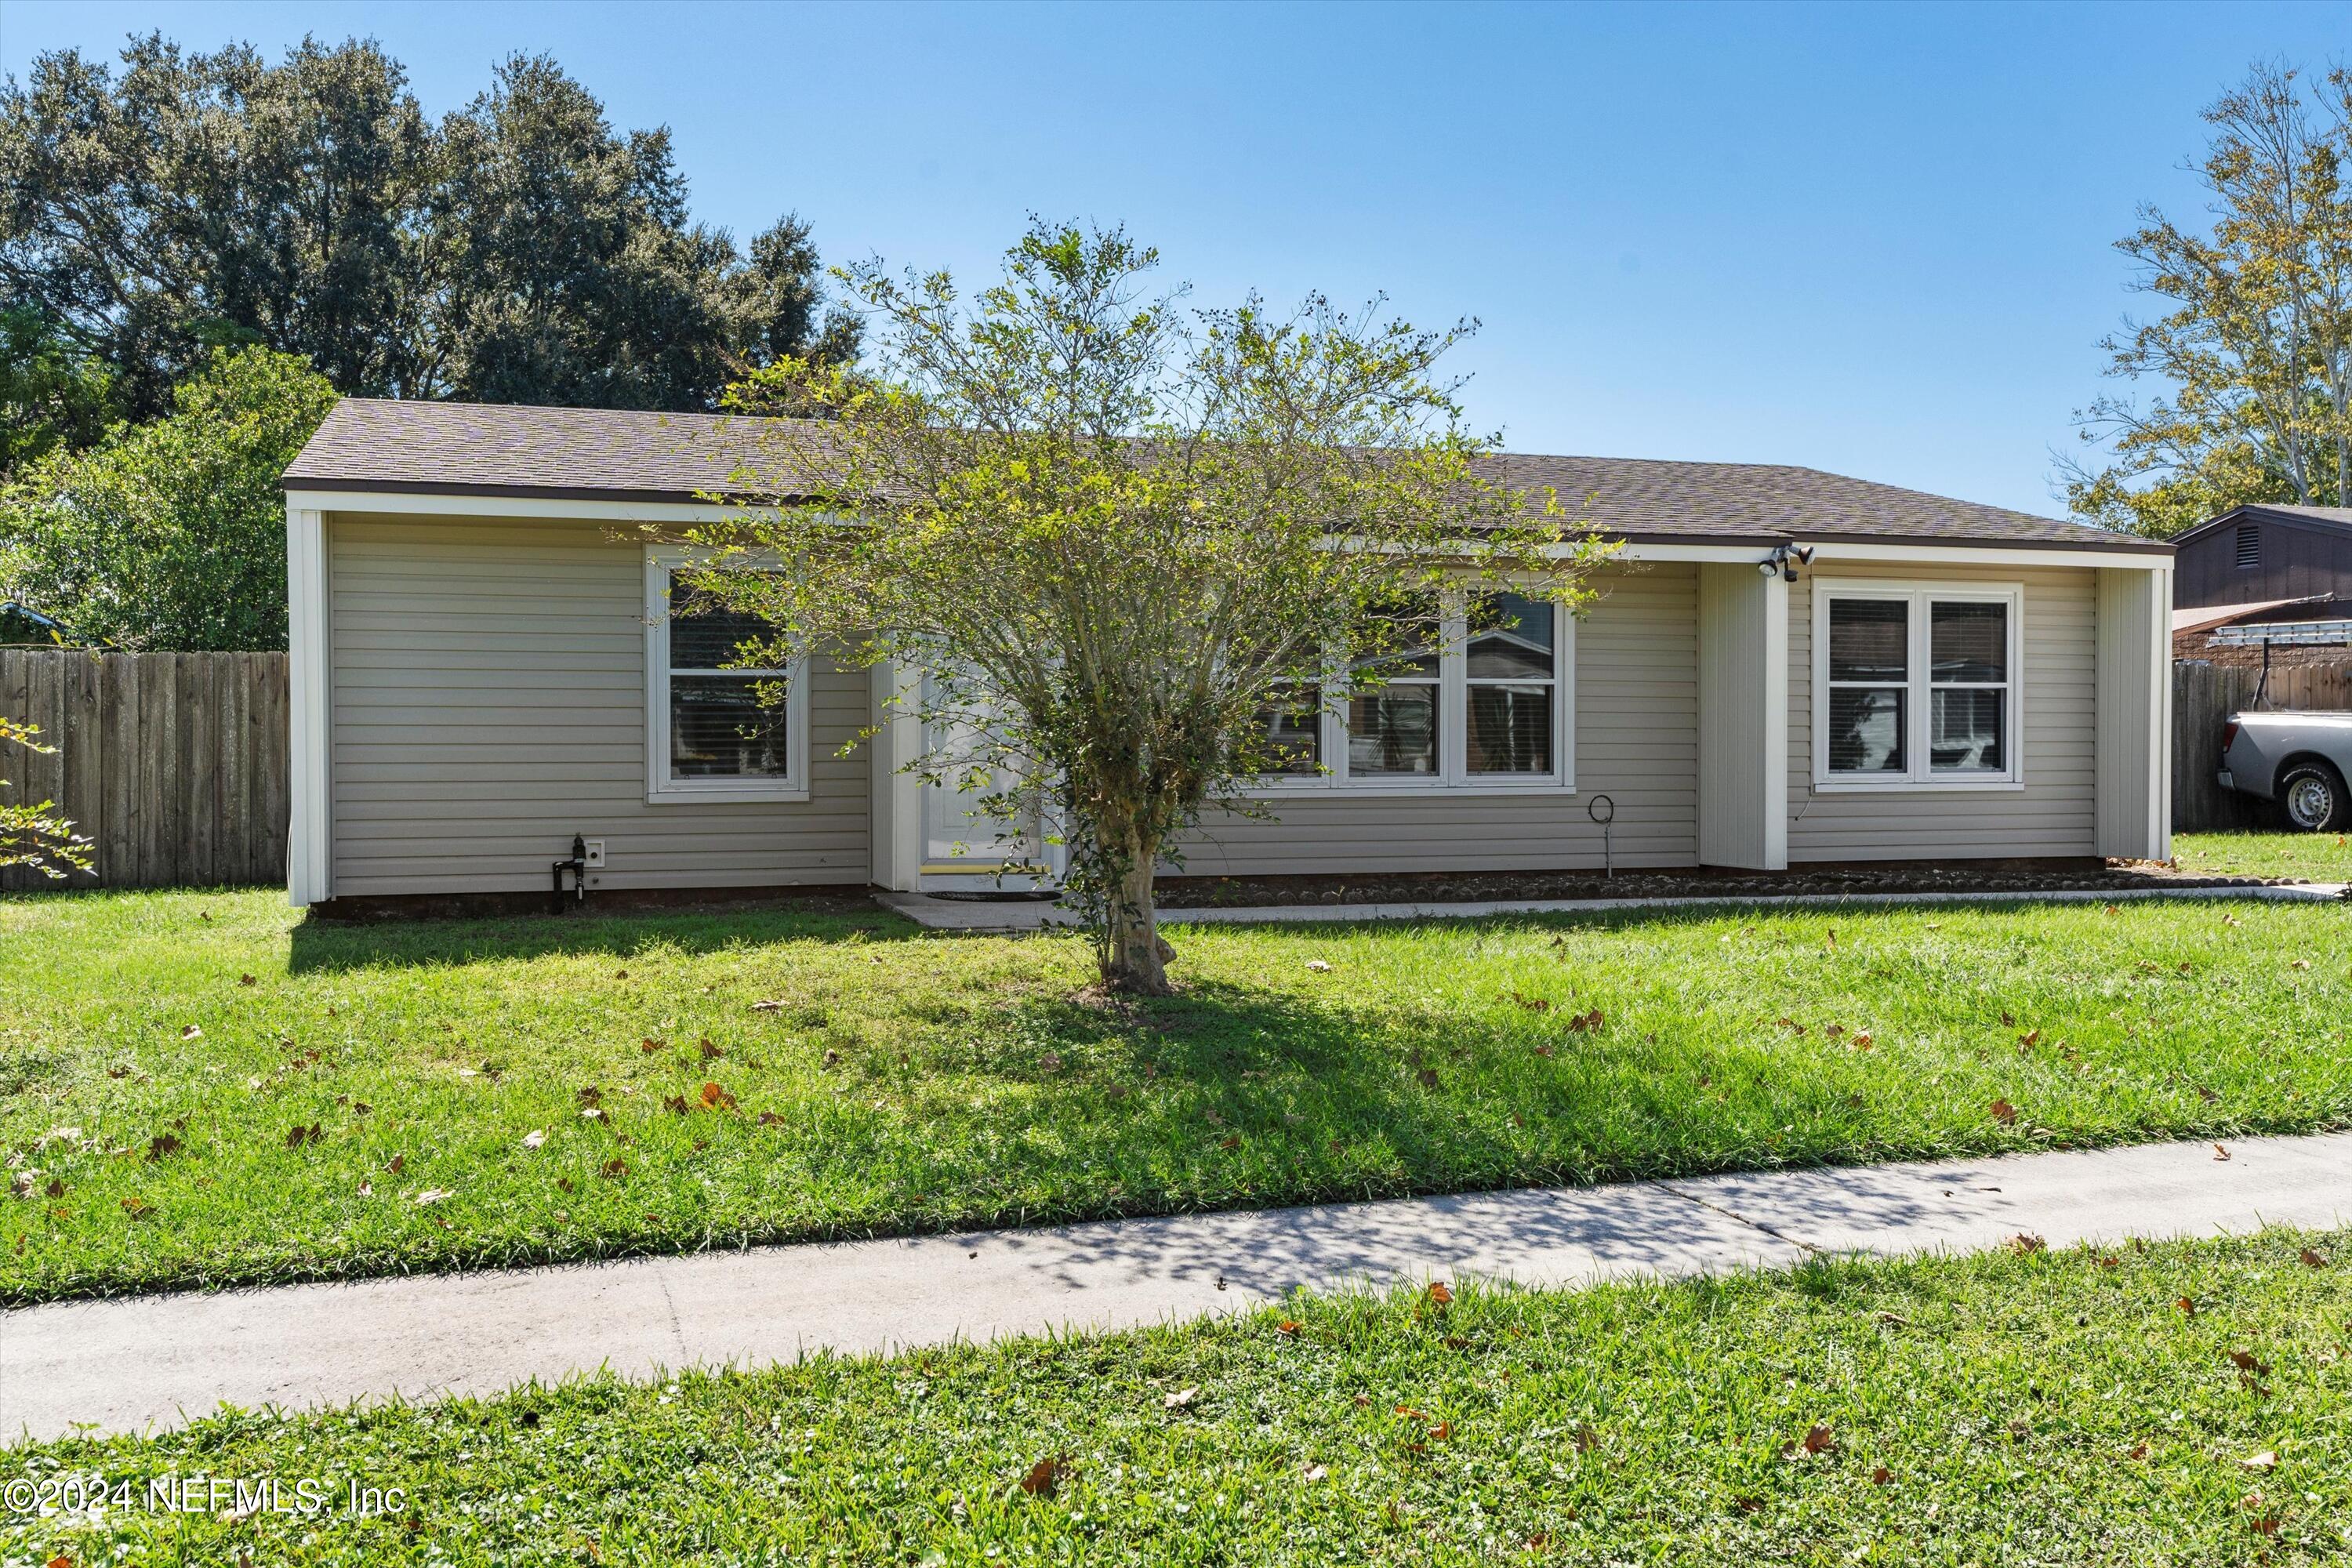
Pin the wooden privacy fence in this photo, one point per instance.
(2203, 695)
(174, 764)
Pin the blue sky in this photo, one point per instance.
(1871, 239)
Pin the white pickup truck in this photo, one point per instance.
(2298, 760)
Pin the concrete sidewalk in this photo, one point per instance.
(1001, 915)
(143, 1363)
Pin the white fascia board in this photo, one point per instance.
(1829, 553)
(682, 512)
(400, 504)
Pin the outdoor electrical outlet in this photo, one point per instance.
(595, 854)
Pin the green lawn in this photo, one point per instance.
(2314, 856)
(2052, 1408)
(203, 1088)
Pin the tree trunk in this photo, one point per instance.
(1136, 959)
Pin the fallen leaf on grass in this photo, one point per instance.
(2026, 1244)
(616, 1168)
(774, 1006)
(137, 1207)
(191, 1033)
(2265, 1460)
(1882, 1476)
(1287, 1326)
(1181, 1399)
(1045, 1475)
(2139, 1451)
(1318, 966)
(2004, 1112)
(297, 1134)
(1440, 1292)
(1862, 1041)
(2188, 1307)
(1749, 1504)
(431, 1196)
(162, 1143)
(2299, 964)
(532, 1140)
(1315, 1473)
(649, 1047)
(2312, 1260)
(716, 1097)
(2247, 1361)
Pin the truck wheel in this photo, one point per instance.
(2312, 794)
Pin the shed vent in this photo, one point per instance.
(2250, 546)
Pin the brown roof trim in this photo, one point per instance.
(514, 492)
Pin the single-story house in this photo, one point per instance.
(1786, 668)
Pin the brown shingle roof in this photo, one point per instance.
(482, 449)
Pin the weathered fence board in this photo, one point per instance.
(173, 764)
(2203, 697)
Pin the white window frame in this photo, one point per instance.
(1454, 776)
(1922, 776)
(661, 560)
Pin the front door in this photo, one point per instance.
(967, 850)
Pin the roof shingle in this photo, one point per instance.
(375, 444)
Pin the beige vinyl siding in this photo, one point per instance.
(488, 701)
(1636, 685)
(2054, 814)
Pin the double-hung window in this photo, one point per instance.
(1916, 685)
(716, 730)
(1480, 698)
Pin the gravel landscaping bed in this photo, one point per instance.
(1233, 893)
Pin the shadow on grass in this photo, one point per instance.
(436, 943)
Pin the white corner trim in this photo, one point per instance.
(660, 788)
(309, 842)
(1775, 760)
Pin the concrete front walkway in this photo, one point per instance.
(999, 915)
(148, 1362)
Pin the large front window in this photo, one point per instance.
(1916, 685)
(719, 726)
(1479, 698)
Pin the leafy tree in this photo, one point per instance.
(197, 200)
(573, 276)
(1116, 537)
(171, 535)
(31, 833)
(517, 251)
(51, 394)
(2256, 342)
